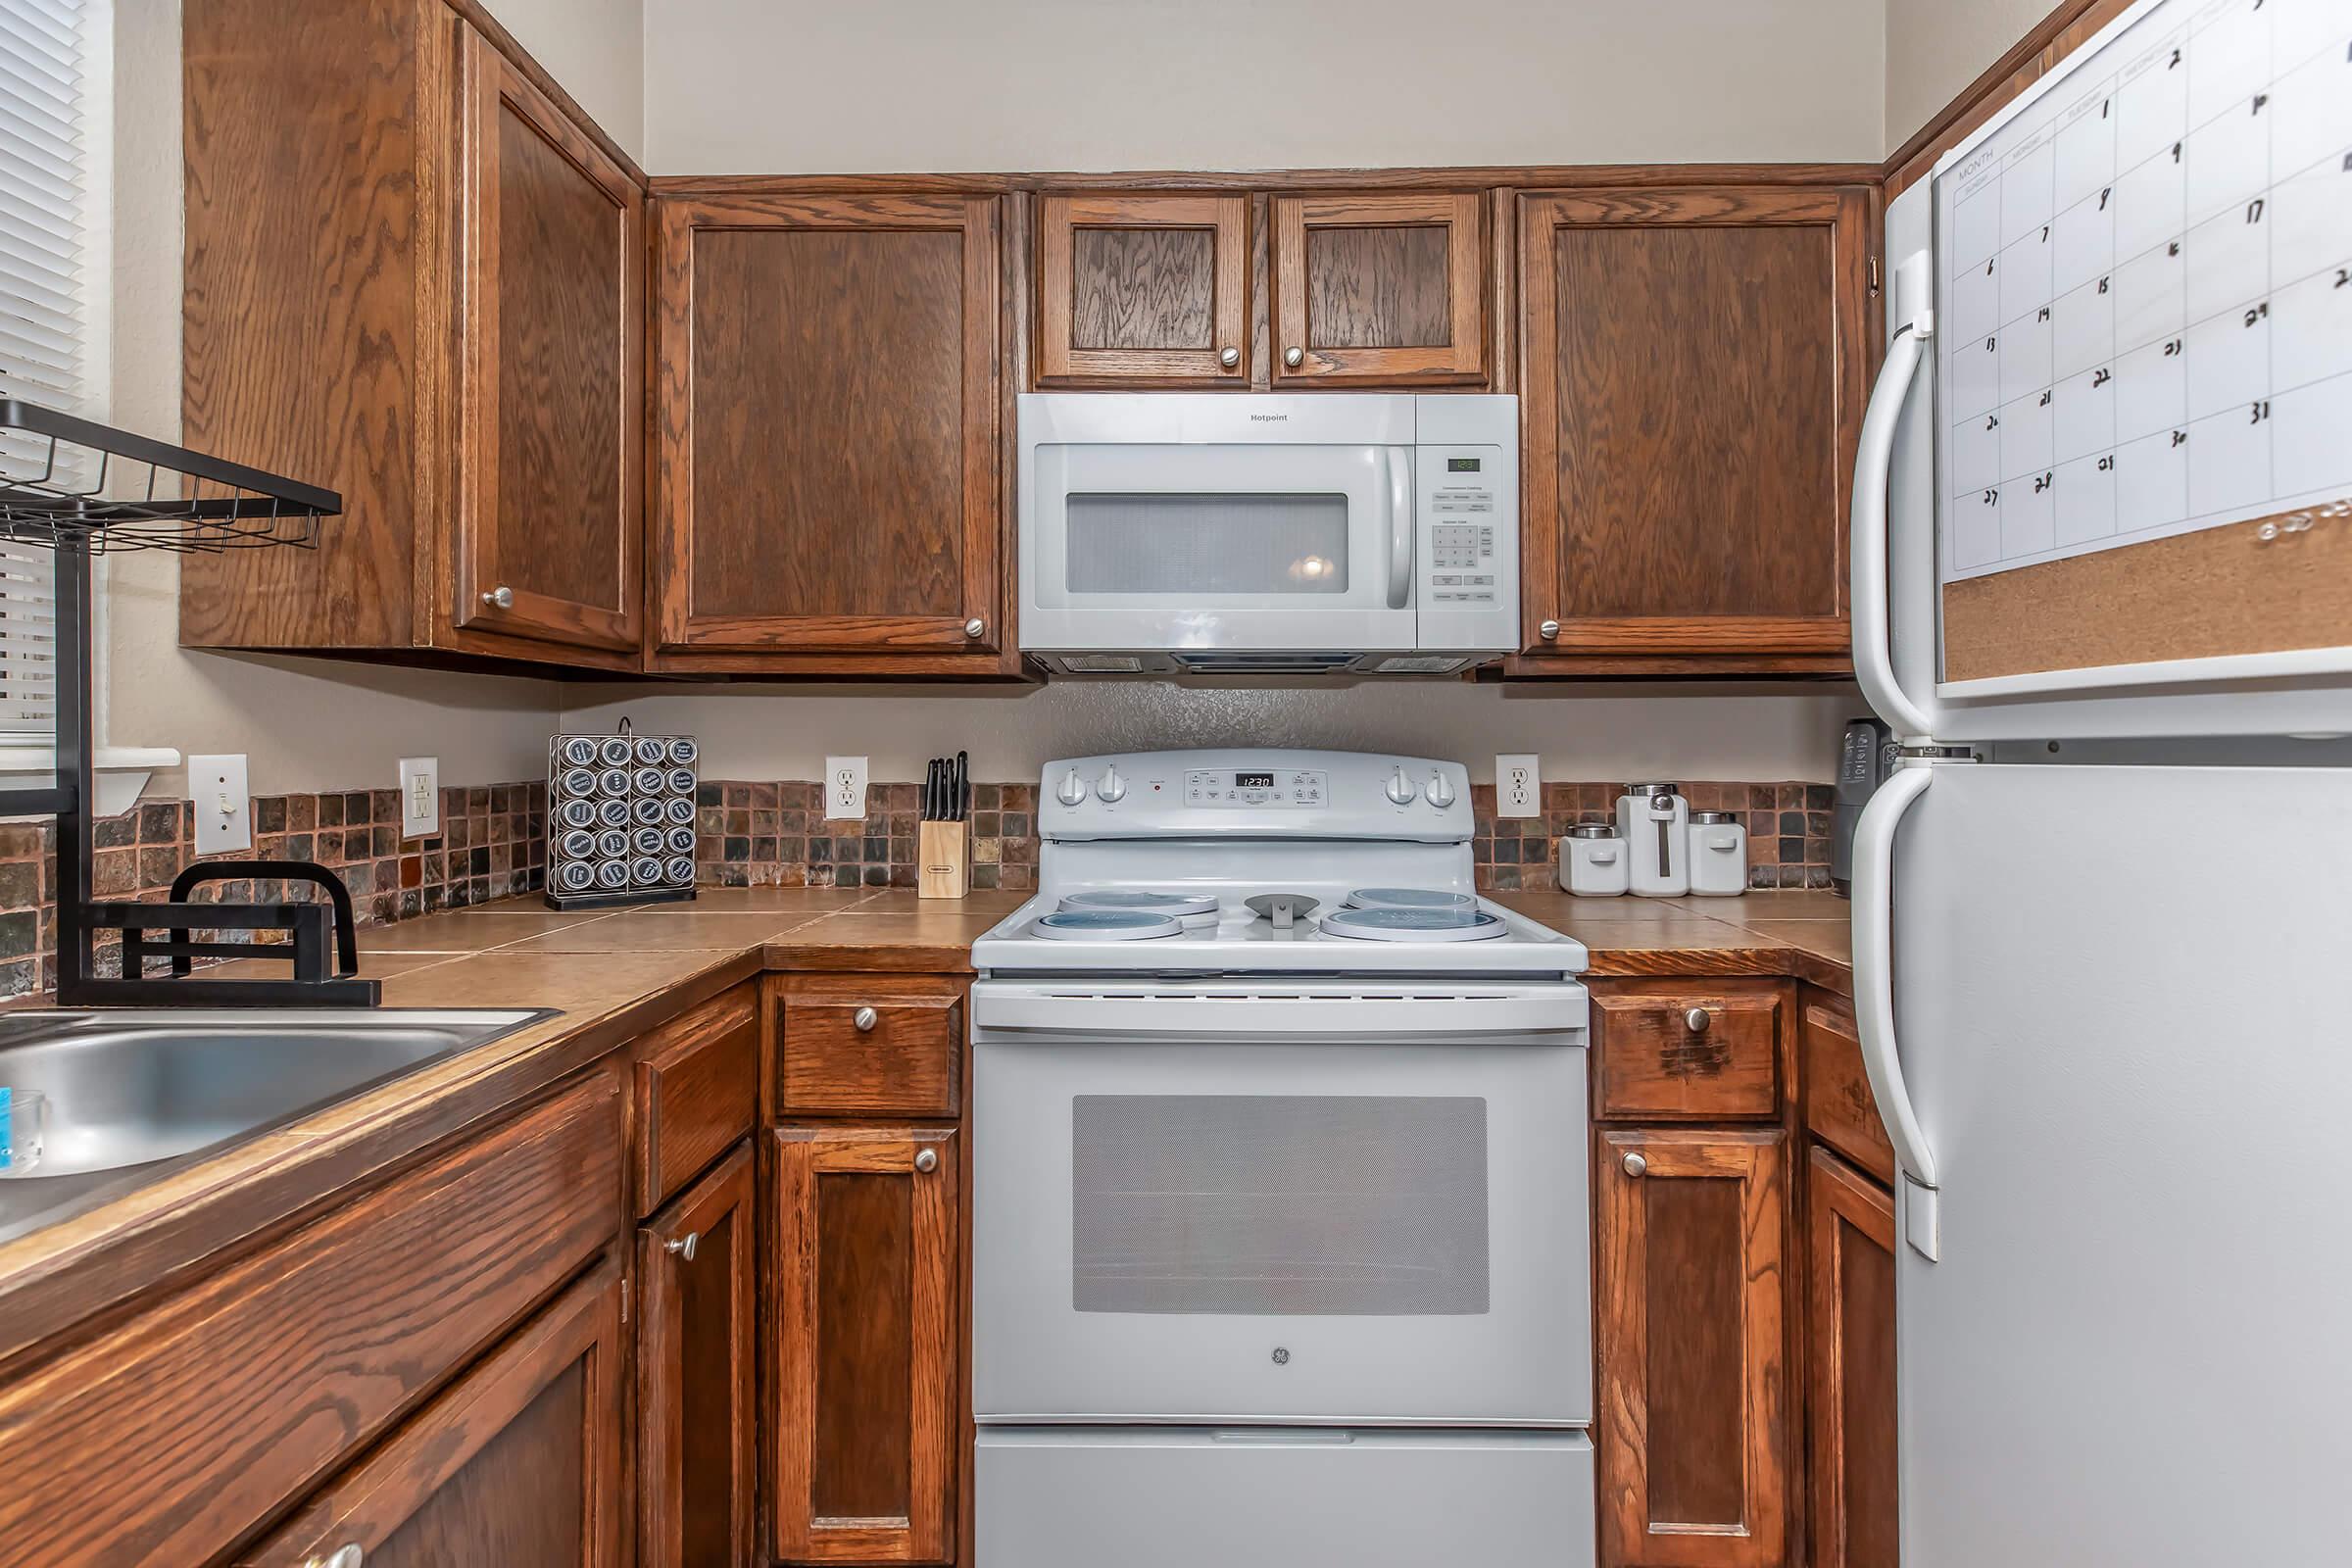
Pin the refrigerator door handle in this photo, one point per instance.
(1869, 591)
(1874, 994)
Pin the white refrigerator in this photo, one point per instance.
(2103, 963)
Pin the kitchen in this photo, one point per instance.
(1280, 527)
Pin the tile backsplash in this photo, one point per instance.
(492, 843)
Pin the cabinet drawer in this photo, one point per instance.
(698, 1093)
(1839, 1107)
(179, 1429)
(896, 1054)
(1689, 1051)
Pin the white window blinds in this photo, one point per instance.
(52, 236)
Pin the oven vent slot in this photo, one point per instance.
(1263, 663)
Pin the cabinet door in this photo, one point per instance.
(695, 1391)
(866, 1329)
(1143, 290)
(827, 459)
(1379, 290)
(1851, 1411)
(1693, 1424)
(1692, 392)
(518, 1463)
(550, 515)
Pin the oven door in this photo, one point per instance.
(1254, 546)
(1212, 1201)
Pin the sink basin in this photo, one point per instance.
(132, 1093)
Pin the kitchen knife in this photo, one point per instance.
(959, 804)
(931, 791)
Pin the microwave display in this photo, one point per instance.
(1462, 464)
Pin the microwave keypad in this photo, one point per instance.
(1461, 550)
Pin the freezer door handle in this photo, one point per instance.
(1874, 981)
(1869, 592)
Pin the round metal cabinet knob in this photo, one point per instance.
(974, 626)
(865, 1018)
(926, 1160)
(682, 1247)
(347, 1555)
(501, 597)
(1634, 1164)
(1294, 358)
(1696, 1020)
(1548, 630)
(1229, 358)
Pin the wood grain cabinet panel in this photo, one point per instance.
(888, 1054)
(550, 518)
(827, 458)
(1688, 1050)
(867, 1324)
(1692, 369)
(695, 1393)
(519, 1462)
(1385, 289)
(444, 324)
(697, 1092)
(1694, 1427)
(1850, 1410)
(1142, 290)
(1840, 1108)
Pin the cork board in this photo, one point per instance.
(2267, 585)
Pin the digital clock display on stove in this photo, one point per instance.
(1252, 782)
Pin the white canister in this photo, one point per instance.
(1593, 860)
(1718, 854)
(1654, 821)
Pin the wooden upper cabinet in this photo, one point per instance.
(828, 473)
(1694, 1430)
(1383, 290)
(519, 1462)
(445, 325)
(1143, 290)
(549, 517)
(1693, 367)
(864, 1361)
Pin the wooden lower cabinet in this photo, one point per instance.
(518, 1463)
(867, 1324)
(1694, 1427)
(697, 1265)
(1850, 1220)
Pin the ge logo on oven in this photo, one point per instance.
(1282, 1356)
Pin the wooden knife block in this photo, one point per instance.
(943, 861)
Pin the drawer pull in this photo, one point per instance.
(1229, 358)
(347, 1555)
(865, 1018)
(1634, 1164)
(682, 1247)
(926, 1160)
(1696, 1020)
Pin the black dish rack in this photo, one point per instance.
(82, 489)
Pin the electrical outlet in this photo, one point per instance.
(222, 804)
(419, 797)
(844, 787)
(1518, 789)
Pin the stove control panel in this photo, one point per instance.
(1255, 786)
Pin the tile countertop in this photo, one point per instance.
(614, 974)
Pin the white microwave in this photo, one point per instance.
(1207, 533)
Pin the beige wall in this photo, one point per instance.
(596, 48)
(304, 724)
(817, 85)
(1608, 734)
(1935, 48)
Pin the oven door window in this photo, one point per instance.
(1280, 1205)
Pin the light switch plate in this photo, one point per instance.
(221, 802)
(844, 787)
(419, 797)
(1518, 785)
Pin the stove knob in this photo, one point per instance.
(1441, 790)
(1072, 789)
(1111, 787)
(1401, 788)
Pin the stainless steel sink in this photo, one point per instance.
(133, 1093)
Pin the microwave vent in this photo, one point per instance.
(1244, 662)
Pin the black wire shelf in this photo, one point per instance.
(66, 480)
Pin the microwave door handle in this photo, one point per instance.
(1400, 526)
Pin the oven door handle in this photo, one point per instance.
(1399, 463)
(1526, 1016)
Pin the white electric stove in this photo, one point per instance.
(1280, 1206)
